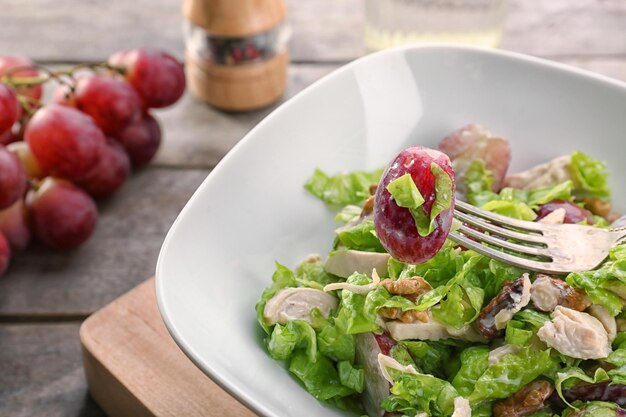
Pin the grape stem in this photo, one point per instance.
(9, 79)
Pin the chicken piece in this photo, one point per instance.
(345, 263)
(528, 400)
(547, 292)
(474, 142)
(607, 320)
(297, 304)
(513, 296)
(462, 408)
(431, 330)
(552, 172)
(575, 334)
(376, 387)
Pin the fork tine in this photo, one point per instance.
(497, 218)
(497, 230)
(492, 240)
(545, 267)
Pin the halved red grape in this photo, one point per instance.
(5, 254)
(19, 66)
(14, 225)
(110, 173)
(141, 140)
(65, 141)
(395, 226)
(573, 213)
(27, 159)
(158, 77)
(10, 109)
(63, 216)
(111, 102)
(12, 178)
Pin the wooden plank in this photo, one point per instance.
(323, 30)
(134, 367)
(41, 372)
(121, 254)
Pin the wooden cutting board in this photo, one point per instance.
(134, 367)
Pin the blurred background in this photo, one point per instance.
(46, 295)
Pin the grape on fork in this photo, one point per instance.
(547, 248)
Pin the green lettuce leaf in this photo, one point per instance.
(590, 177)
(296, 334)
(618, 375)
(413, 393)
(592, 409)
(443, 196)
(524, 326)
(361, 237)
(430, 357)
(334, 341)
(601, 283)
(512, 208)
(351, 376)
(342, 189)
(510, 373)
(320, 377)
(358, 318)
(312, 274)
(349, 212)
(478, 182)
(405, 192)
(569, 376)
(474, 363)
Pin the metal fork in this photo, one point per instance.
(547, 248)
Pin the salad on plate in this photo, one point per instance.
(398, 320)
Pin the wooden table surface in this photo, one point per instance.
(46, 294)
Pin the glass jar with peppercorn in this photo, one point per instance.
(236, 52)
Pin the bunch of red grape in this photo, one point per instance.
(56, 158)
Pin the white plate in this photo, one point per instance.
(252, 210)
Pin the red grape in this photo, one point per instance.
(395, 225)
(110, 173)
(14, 225)
(27, 159)
(12, 178)
(10, 110)
(111, 102)
(158, 77)
(5, 254)
(141, 140)
(65, 141)
(63, 216)
(26, 69)
(573, 213)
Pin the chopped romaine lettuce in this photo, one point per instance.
(405, 192)
(590, 177)
(434, 396)
(474, 363)
(320, 377)
(601, 284)
(361, 237)
(592, 409)
(430, 357)
(567, 377)
(342, 189)
(510, 373)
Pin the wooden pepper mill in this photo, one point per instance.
(236, 52)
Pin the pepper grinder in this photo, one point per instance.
(236, 52)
